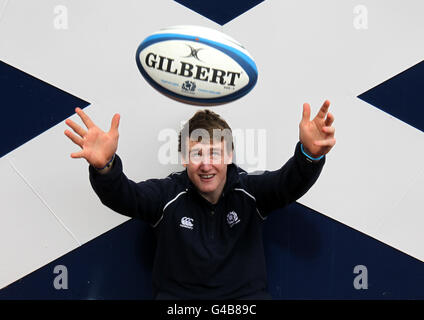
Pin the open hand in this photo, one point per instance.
(97, 146)
(317, 136)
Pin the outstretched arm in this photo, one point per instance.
(276, 189)
(141, 200)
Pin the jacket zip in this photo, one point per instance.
(212, 222)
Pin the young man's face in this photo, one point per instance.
(207, 168)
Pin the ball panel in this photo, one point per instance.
(175, 64)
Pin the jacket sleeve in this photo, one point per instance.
(142, 200)
(276, 189)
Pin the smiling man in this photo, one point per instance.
(206, 146)
(206, 170)
(207, 218)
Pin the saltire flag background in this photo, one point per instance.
(365, 211)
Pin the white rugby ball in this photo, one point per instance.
(196, 65)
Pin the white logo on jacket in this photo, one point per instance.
(187, 222)
(232, 218)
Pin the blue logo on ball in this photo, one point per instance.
(189, 86)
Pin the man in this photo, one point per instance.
(207, 218)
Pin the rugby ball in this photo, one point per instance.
(196, 65)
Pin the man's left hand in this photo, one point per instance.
(317, 136)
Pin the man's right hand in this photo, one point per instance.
(98, 147)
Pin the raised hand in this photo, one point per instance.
(317, 136)
(98, 147)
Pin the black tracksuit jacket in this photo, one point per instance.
(204, 250)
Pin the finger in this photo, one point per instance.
(323, 111)
(78, 129)
(86, 119)
(330, 119)
(115, 123)
(325, 143)
(329, 130)
(306, 115)
(75, 139)
(77, 155)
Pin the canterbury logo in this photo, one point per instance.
(187, 222)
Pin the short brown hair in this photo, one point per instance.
(207, 120)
